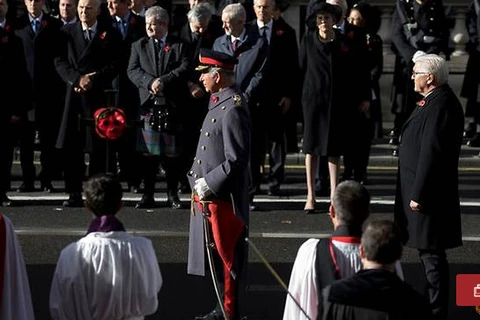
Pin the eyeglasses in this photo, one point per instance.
(415, 73)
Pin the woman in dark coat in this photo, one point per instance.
(336, 89)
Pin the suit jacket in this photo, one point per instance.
(204, 41)
(428, 173)
(14, 79)
(373, 294)
(172, 69)
(129, 99)
(78, 57)
(282, 72)
(39, 52)
(252, 58)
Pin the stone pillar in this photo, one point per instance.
(386, 26)
(459, 35)
(292, 17)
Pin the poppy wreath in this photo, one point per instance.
(110, 123)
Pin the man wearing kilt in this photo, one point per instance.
(158, 66)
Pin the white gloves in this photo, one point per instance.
(417, 55)
(202, 189)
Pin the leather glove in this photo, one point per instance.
(202, 189)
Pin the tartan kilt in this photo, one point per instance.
(156, 143)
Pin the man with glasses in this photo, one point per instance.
(427, 205)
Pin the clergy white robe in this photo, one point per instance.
(16, 300)
(106, 276)
(303, 285)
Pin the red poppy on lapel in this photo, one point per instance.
(279, 32)
(43, 23)
(344, 48)
(5, 39)
(350, 34)
(214, 99)
(132, 20)
(167, 48)
(421, 103)
(103, 35)
(7, 28)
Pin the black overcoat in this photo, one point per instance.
(336, 80)
(428, 173)
(77, 57)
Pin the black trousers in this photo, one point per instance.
(435, 266)
(24, 132)
(6, 156)
(149, 167)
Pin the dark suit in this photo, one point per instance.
(281, 78)
(128, 98)
(78, 57)
(16, 87)
(428, 174)
(252, 56)
(171, 66)
(373, 294)
(48, 94)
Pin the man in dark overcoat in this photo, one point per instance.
(281, 78)
(132, 28)
(244, 42)
(417, 27)
(39, 33)
(158, 67)
(427, 205)
(220, 179)
(88, 62)
(15, 84)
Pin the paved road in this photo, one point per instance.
(44, 228)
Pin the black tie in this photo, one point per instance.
(264, 33)
(88, 35)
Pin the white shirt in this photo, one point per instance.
(3, 23)
(106, 276)
(93, 28)
(17, 302)
(240, 38)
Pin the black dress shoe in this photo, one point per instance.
(74, 200)
(147, 202)
(273, 190)
(469, 131)
(393, 132)
(173, 201)
(475, 142)
(134, 188)
(214, 315)
(47, 187)
(6, 202)
(395, 152)
(26, 187)
(393, 141)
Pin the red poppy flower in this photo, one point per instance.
(5, 39)
(167, 48)
(421, 103)
(279, 32)
(103, 35)
(7, 28)
(132, 20)
(214, 99)
(350, 34)
(44, 23)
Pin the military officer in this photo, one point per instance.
(220, 180)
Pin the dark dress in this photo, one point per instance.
(336, 80)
